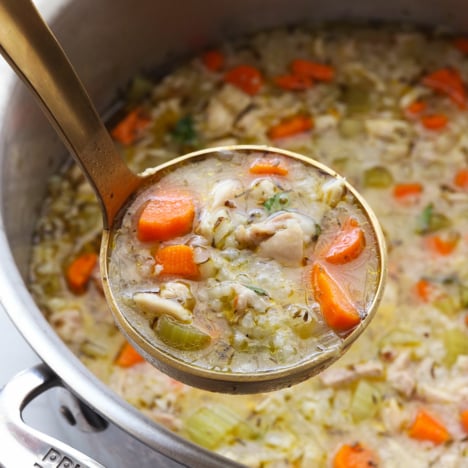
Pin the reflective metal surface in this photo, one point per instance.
(109, 41)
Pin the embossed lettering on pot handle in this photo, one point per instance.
(21, 445)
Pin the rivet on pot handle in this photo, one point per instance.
(27, 447)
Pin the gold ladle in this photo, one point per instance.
(29, 46)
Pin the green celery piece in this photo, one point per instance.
(463, 295)
(456, 344)
(447, 305)
(209, 425)
(365, 401)
(180, 335)
(277, 202)
(378, 177)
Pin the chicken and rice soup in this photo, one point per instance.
(387, 108)
(244, 261)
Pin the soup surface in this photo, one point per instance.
(244, 261)
(387, 109)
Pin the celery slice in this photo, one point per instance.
(456, 344)
(181, 336)
(447, 305)
(463, 295)
(364, 402)
(400, 337)
(209, 426)
(378, 177)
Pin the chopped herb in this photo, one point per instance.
(277, 202)
(431, 221)
(184, 130)
(257, 290)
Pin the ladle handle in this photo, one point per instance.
(31, 49)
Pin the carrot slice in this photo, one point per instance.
(448, 81)
(348, 243)
(293, 82)
(434, 121)
(314, 70)
(245, 77)
(167, 215)
(443, 246)
(464, 419)
(416, 108)
(268, 166)
(427, 427)
(290, 127)
(177, 260)
(354, 456)
(336, 306)
(79, 272)
(406, 190)
(461, 179)
(213, 60)
(130, 127)
(424, 289)
(128, 356)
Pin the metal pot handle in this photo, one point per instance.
(24, 446)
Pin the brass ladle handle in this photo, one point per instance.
(31, 49)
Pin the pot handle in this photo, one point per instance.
(21, 444)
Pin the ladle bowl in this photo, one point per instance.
(34, 53)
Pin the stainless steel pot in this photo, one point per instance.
(109, 41)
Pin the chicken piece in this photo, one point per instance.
(154, 304)
(285, 246)
(335, 376)
(275, 233)
(339, 375)
(219, 119)
(225, 191)
(399, 375)
(332, 191)
(246, 297)
(180, 292)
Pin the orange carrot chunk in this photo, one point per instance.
(424, 289)
(128, 356)
(167, 215)
(355, 456)
(130, 128)
(79, 272)
(461, 179)
(416, 108)
(213, 60)
(434, 121)
(336, 306)
(293, 82)
(245, 77)
(268, 166)
(461, 43)
(348, 243)
(443, 246)
(406, 190)
(448, 81)
(464, 419)
(290, 127)
(427, 427)
(177, 260)
(314, 70)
